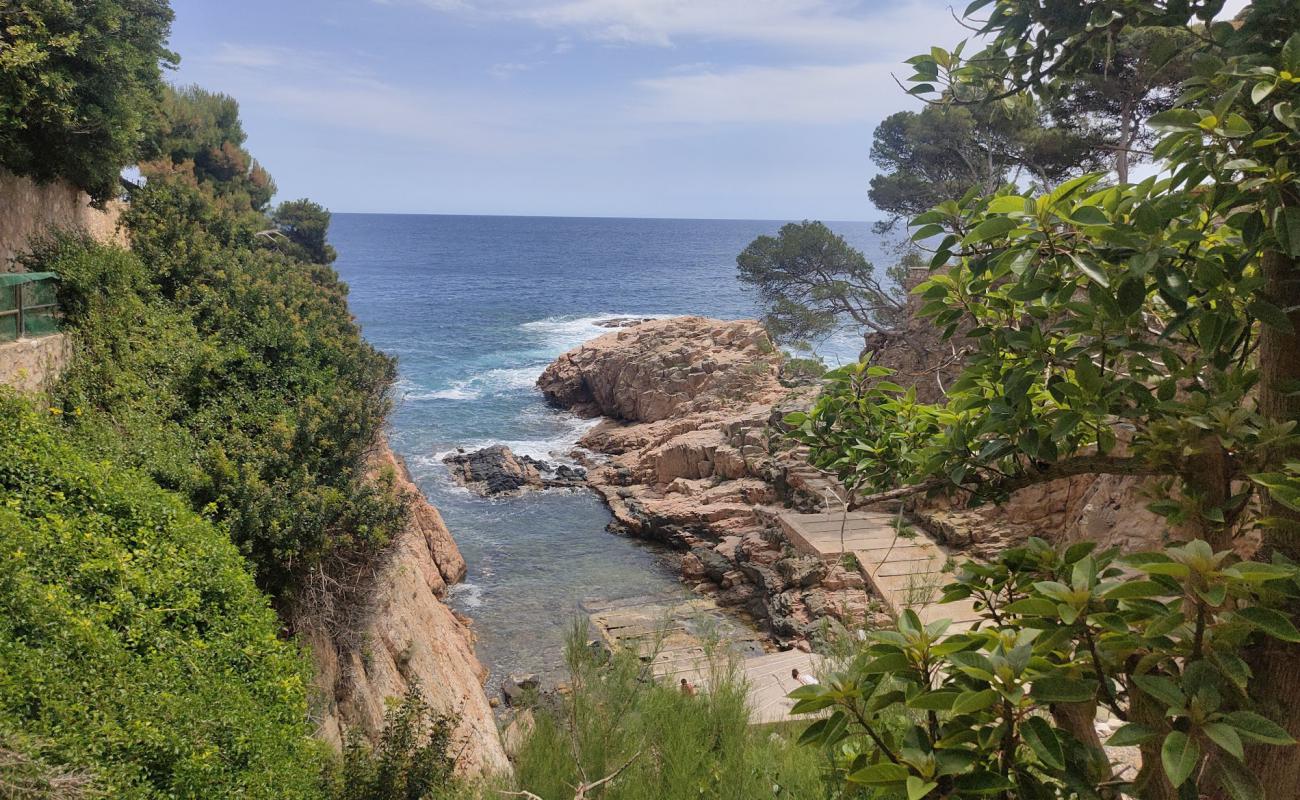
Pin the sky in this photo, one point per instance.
(758, 109)
(743, 109)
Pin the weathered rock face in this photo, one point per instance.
(406, 636)
(690, 459)
(496, 470)
(659, 369)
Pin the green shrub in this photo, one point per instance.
(80, 82)
(798, 371)
(412, 761)
(674, 747)
(133, 642)
(250, 391)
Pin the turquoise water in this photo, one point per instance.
(474, 308)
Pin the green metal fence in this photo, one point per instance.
(28, 305)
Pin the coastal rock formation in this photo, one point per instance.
(497, 471)
(690, 457)
(660, 369)
(406, 635)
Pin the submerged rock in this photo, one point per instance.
(497, 471)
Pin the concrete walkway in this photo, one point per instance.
(693, 638)
(905, 567)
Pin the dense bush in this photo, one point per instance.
(668, 746)
(412, 760)
(132, 641)
(250, 391)
(80, 84)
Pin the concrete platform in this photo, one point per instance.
(907, 569)
(693, 638)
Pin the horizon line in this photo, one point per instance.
(597, 216)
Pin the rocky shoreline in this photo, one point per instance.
(690, 455)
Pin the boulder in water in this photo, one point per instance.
(497, 471)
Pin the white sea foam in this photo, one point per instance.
(466, 595)
(567, 332)
(553, 448)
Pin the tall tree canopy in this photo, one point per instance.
(197, 138)
(1146, 329)
(79, 83)
(811, 280)
(944, 151)
(1109, 102)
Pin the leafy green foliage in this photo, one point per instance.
(1063, 631)
(305, 225)
(412, 761)
(80, 83)
(251, 391)
(811, 280)
(674, 747)
(132, 641)
(944, 151)
(198, 139)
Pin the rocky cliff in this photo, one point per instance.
(689, 456)
(406, 635)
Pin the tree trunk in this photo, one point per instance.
(1276, 685)
(1151, 782)
(1079, 720)
(1126, 136)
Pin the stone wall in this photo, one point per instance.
(33, 365)
(28, 209)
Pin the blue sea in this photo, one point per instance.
(474, 308)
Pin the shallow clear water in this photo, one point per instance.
(474, 308)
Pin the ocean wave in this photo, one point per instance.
(567, 332)
(554, 448)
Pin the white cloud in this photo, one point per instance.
(839, 25)
(817, 95)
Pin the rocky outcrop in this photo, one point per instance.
(660, 369)
(406, 636)
(497, 471)
(690, 457)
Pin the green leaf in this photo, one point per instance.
(1241, 783)
(891, 662)
(968, 702)
(981, 783)
(1089, 215)
(1130, 590)
(1042, 740)
(1262, 90)
(1162, 689)
(1225, 736)
(1270, 315)
(1130, 735)
(879, 775)
(933, 701)
(1090, 268)
(990, 228)
(1272, 622)
(1256, 728)
(1179, 754)
(918, 788)
(1291, 54)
